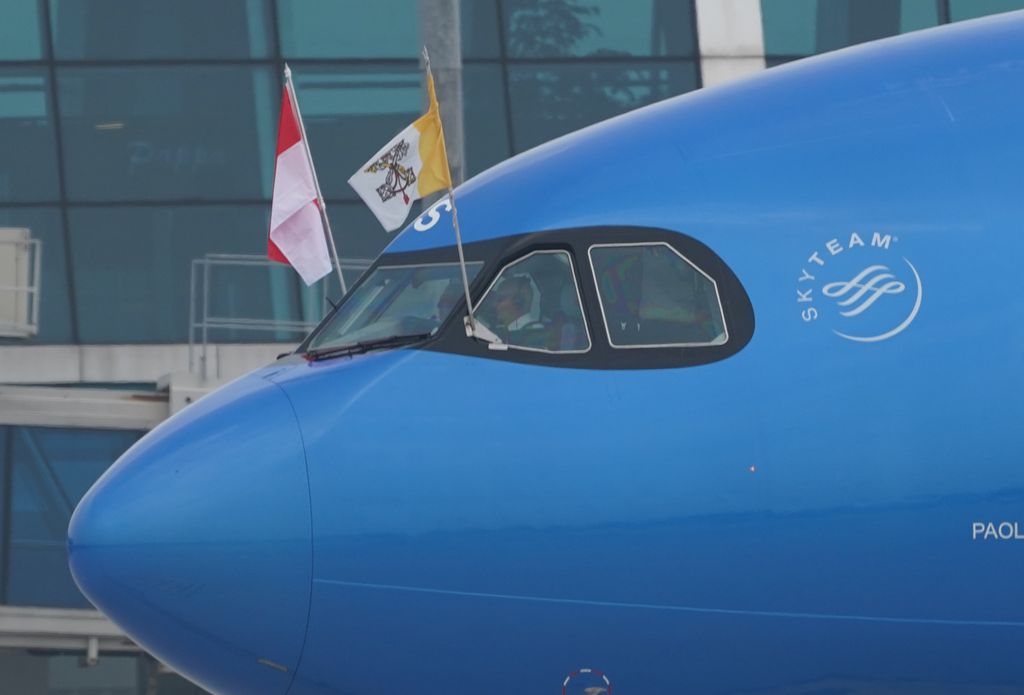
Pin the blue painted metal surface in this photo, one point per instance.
(197, 541)
(795, 518)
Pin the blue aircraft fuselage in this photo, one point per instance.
(829, 501)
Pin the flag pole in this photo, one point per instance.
(321, 205)
(455, 211)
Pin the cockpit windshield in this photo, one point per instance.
(395, 301)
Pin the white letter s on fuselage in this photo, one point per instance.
(429, 218)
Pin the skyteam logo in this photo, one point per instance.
(860, 287)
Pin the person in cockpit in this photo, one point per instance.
(536, 311)
(512, 308)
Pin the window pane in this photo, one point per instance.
(480, 29)
(379, 29)
(919, 14)
(126, 29)
(20, 38)
(350, 112)
(53, 468)
(968, 9)
(54, 301)
(652, 296)
(357, 232)
(331, 29)
(534, 304)
(557, 28)
(485, 122)
(551, 100)
(28, 163)
(789, 26)
(806, 27)
(168, 132)
(144, 298)
(397, 300)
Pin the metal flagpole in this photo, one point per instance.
(455, 212)
(290, 87)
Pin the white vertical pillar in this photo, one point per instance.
(731, 39)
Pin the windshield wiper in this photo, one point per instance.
(366, 345)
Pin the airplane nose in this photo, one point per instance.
(197, 542)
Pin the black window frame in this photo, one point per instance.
(497, 253)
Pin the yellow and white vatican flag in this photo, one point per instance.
(413, 165)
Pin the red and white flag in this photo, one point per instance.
(296, 227)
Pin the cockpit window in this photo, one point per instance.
(652, 296)
(396, 301)
(534, 304)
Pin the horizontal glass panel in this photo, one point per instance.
(160, 133)
(54, 300)
(599, 28)
(379, 29)
(155, 29)
(20, 36)
(28, 153)
(551, 100)
(52, 468)
(806, 27)
(145, 297)
(968, 9)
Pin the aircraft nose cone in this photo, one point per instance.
(197, 542)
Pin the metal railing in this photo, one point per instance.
(20, 276)
(203, 320)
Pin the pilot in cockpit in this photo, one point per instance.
(514, 304)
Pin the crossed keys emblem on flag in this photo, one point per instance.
(399, 177)
(412, 163)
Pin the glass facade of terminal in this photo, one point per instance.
(44, 471)
(139, 135)
(798, 28)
